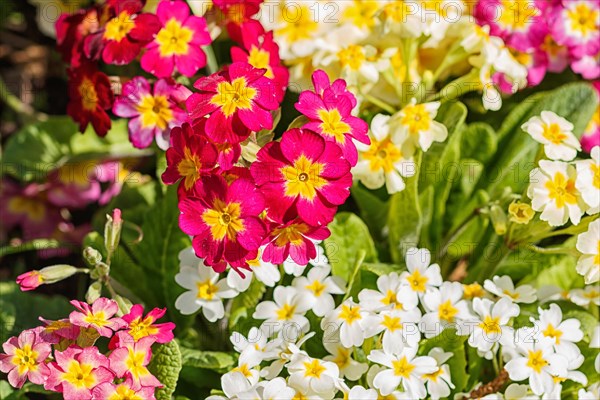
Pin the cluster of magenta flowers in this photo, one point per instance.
(546, 35)
(63, 356)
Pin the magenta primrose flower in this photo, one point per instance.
(153, 111)
(178, 44)
(25, 358)
(293, 239)
(100, 316)
(140, 327)
(123, 390)
(130, 359)
(76, 372)
(237, 100)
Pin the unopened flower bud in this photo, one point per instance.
(112, 230)
(93, 293)
(499, 219)
(101, 270)
(92, 256)
(57, 273)
(29, 280)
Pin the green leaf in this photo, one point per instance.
(381, 268)
(511, 165)
(5, 389)
(373, 210)
(349, 235)
(479, 142)
(20, 310)
(426, 205)
(165, 365)
(213, 360)
(404, 219)
(37, 149)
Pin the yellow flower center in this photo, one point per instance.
(206, 290)
(244, 370)
(333, 125)
(552, 332)
(98, 319)
(553, 133)
(472, 290)
(139, 328)
(417, 281)
(512, 295)
(596, 172)
(34, 209)
(583, 19)
(402, 367)
(286, 312)
(290, 234)
(189, 168)
(434, 375)
(118, 27)
(447, 311)
(155, 111)
(174, 39)
(535, 361)
(25, 359)
(89, 97)
(416, 118)
(316, 287)
(224, 220)
(260, 58)
(517, 14)
(520, 213)
(362, 13)
(79, 375)
(562, 190)
(398, 11)
(391, 323)
(491, 325)
(135, 363)
(303, 178)
(350, 314)
(233, 96)
(342, 358)
(390, 298)
(352, 56)
(382, 155)
(124, 393)
(313, 369)
(299, 24)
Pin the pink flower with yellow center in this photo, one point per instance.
(99, 316)
(76, 372)
(190, 157)
(261, 51)
(130, 360)
(153, 111)
(24, 358)
(591, 135)
(122, 391)
(293, 239)
(238, 100)
(124, 34)
(178, 43)
(576, 24)
(140, 326)
(303, 175)
(224, 222)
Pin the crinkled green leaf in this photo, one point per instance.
(349, 234)
(478, 141)
(381, 268)
(165, 365)
(213, 360)
(373, 210)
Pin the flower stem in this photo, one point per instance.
(380, 103)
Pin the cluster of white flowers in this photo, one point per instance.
(387, 49)
(389, 341)
(563, 189)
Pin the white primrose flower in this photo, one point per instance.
(536, 361)
(492, 328)
(404, 18)
(286, 348)
(390, 295)
(415, 126)
(396, 394)
(553, 193)
(588, 180)
(583, 297)
(591, 393)
(595, 344)
(342, 357)
(265, 272)
(382, 161)
(312, 376)
(286, 311)
(571, 374)
(421, 276)
(439, 383)
(399, 329)
(247, 364)
(256, 346)
(351, 320)
(588, 244)
(360, 393)
(564, 333)
(318, 287)
(205, 290)
(514, 391)
(555, 134)
(275, 389)
(237, 281)
(444, 307)
(503, 286)
(404, 369)
(236, 386)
